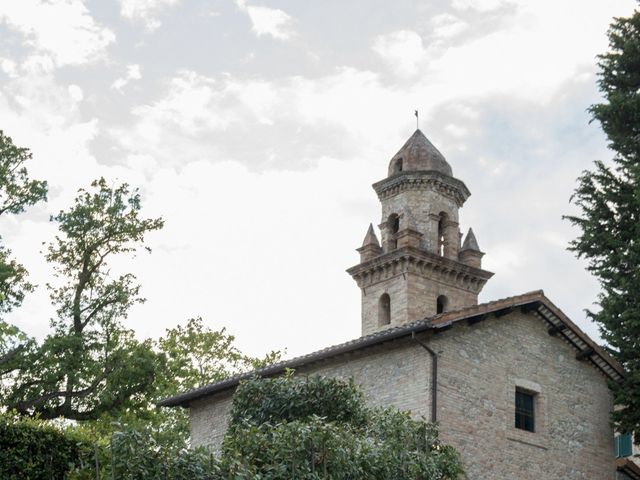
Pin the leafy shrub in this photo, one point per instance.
(319, 428)
(135, 455)
(33, 449)
(288, 398)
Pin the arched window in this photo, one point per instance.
(441, 304)
(397, 166)
(393, 225)
(384, 310)
(441, 238)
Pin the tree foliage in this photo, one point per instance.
(196, 355)
(190, 356)
(17, 192)
(609, 201)
(90, 364)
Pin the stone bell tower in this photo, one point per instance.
(420, 269)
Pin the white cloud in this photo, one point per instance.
(268, 21)
(446, 25)
(456, 130)
(8, 66)
(402, 51)
(76, 93)
(145, 11)
(189, 104)
(133, 73)
(208, 117)
(479, 5)
(63, 29)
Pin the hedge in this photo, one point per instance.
(37, 450)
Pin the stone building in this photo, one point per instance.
(514, 384)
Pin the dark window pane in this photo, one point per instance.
(524, 411)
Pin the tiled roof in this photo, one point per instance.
(559, 324)
(418, 153)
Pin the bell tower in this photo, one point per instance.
(420, 268)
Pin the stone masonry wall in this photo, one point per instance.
(479, 368)
(394, 374)
(208, 418)
(423, 293)
(413, 297)
(396, 288)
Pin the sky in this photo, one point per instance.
(255, 128)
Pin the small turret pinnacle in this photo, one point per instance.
(470, 242)
(371, 238)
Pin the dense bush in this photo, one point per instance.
(33, 449)
(135, 455)
(286, 428)
(319, 428)
(399, 449)
(287, 398)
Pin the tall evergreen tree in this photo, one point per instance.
(609, 200)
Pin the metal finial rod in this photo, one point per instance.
(415, 112)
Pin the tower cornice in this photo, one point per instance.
(413, 260)
(421, 180)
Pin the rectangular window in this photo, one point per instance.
(525, 411)
(624, 445)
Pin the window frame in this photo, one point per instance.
(525, 417)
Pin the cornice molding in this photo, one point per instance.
(416, 261)
(422, 180)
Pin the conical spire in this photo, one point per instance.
(419, 154)
(371, 238)
(470, 242)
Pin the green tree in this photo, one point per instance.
(90, 364)
(188, 356)
(193, 355)
(17, 192)
(197, 355)
(609, 201)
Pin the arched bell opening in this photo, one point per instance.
(384, 310)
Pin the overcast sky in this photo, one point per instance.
(256, 128)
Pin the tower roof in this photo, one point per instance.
(470, 242)
(418, 153)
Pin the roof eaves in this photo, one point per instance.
(363, 342)
(629, 467)
(534, 301)
(588, 349)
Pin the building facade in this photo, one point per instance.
(514, 385)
